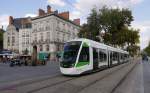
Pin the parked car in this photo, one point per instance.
(15, 62)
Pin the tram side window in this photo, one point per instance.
(102, 55)
(114, 56)
(122, 56)
(84, 55)
(95, 55)
(111, 56)
(125, 56)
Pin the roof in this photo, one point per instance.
(19, 22)
(53, 14)
(100, 44)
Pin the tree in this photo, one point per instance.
(116, 26)
(93, 24)
(91, 29)
(84, 32)
(113, 22)
(147, 49)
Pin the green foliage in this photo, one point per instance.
(133, 49)
(147, 49)
(115, 23)
(84, 32)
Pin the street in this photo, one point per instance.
(74, 46)
(138, 81)
(16, 73)
(126, 78)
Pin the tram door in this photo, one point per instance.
(95, 58)
(109, 58)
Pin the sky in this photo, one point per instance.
(79, 9)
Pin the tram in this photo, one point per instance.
(83, 55)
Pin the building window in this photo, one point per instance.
(41, 48)
(28, 41)
(13, 39)
(48, 35)
(47, 47)
(41, 36)
(8, 40)
(58, 36)
(35, 37)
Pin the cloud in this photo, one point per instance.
(60, 3)
(4, 20)
(136, 1)
(84, 7)
(30, 15)
(75, 14)
(144, 32)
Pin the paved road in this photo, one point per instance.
(10, 74)
(146, 76)
(138, 81)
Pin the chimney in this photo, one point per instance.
(77, 21)
(41, 12)
(64, 15)
(49, 9)
(10, 20)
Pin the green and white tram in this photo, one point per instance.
(83, 55)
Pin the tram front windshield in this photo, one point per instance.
(70, 53)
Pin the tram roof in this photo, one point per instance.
(94, 43)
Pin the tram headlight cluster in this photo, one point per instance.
(67, 64)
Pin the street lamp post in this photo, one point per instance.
(100, 36)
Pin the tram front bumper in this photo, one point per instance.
(69, 71)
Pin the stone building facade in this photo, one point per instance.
(11, 37)
(25, 41)
(47, 32)
(18, 33)
(52, 29)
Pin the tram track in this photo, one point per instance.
(122, 80)
(61, 82)
(100, 79)
(59, 79)
(27, 82)
(66, 81)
